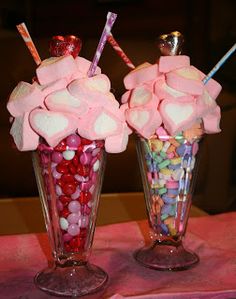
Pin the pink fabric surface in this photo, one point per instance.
(213, 238)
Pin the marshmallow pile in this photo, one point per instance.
(170, 94)
(63, 100)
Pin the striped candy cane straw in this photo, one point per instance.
(29, 42)
(219, 64)
(111, 17)
(120, 52)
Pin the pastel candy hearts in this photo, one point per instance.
(185, 80)
(55, 68)
(24, 137)
(62, 100)
(211, 121)
(143, 120)
(53, 126)
(117, 143)
(177, 116)
(144, 73)
(99, 123)
(171, 63)
(24, 98)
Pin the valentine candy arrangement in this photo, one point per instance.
(169, 105)
(69, 119)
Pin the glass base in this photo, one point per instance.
(166, 257)
(71, 281)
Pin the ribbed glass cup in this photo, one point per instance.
(168, 169)
(69, 192)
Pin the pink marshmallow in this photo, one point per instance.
(55, 68)
(212, 86)
(185, 80)
(211, 121)
(142, 96)
(53, 86)
(171, 63)
(99, 123)
(83, 66)
(177, 116)
(205, 104)
(125, 97)
(117, 143)
(62, 101)
(143, 120)
(53, 126)
(24, 98)
(24, 137)
(144, 73)
(163, 91)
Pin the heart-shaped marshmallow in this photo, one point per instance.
(144, 73)
(24, 137)
(205, 104)
(83, 66)
(117, 143)
(143, 120)
(185, 80)
(163, 91)
(99, 123)
(63, 101)
(177, 116)
(171, 63)
(55, 68)
(53, 86)
(24, 98)
(53, 126)
(140, 96)
(211, 121)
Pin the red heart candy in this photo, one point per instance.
(65, 45)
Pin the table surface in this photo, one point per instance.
(213, 238)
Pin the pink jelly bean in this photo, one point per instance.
(81, 178)
(57, 157)
(57, 175)
(95, 152)
(84, 186)
(76, 194)
(58, 190)
(74, 206)
(73, 218)
(85, 158)
(60, 205)
(83, 221)
(67, 237)
(73, 229)
(73, 141)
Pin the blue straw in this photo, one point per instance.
(219, 64)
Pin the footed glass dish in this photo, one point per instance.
(168, 168)
(69, 178)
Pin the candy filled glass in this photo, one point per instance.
(168, 168)
(69, 178)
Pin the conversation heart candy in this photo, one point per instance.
(24, 98)
(53, 126)
(62, 100)
(24, 137)
(177, 116)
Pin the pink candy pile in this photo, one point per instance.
(170, 93)
(63, 100)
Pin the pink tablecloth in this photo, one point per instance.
(213, 238)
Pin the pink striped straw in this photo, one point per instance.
(29, 42)
(111, 17)
(120, 52)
